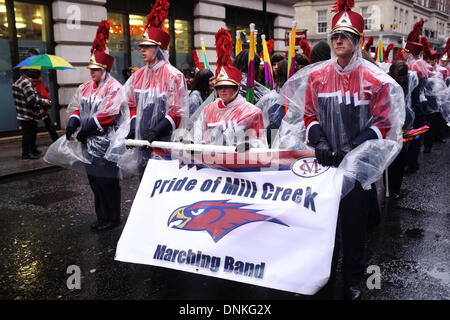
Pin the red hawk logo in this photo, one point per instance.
(218, 217)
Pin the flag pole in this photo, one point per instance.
(205, 60)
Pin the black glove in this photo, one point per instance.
(162, 129)
(367, 134)
(150, 135)
(339, 155)
(324, 155)
(243, 147)
(132, 133)
(88, 130)
(187, 141)
(72, 126)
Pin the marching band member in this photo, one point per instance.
(230, 119)
(156, 96)
(92, 122)
(353, 114)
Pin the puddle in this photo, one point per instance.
(440, 274)
(49, 198)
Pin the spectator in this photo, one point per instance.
(201, 88)
(42, 90)
(29, 111)
(320, 52)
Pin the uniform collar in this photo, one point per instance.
(233, 103)
(156, 66)
(352, 65)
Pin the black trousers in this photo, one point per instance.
(29, 130)
(437, 130)
(50, 128)
(396, 170)
(351, 234)
(412, 155)
(104, 180)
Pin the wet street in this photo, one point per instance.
(45, 229)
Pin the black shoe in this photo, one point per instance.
(95, 224)
(427, 150)
(352, 293)
(411, 170)
(107, 226)
(394, 196)
(441, 140)
(36, 152)
(30, 156)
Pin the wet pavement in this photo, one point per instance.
(45, 222)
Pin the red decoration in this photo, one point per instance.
(196, 61)
(426, 48)
(386, 52)
(270, 46)
(399, 55)
(101, 37)
(368, 44)
(224, 47)
(304, 45)
(447, 49)
(414, 35)
(343, 5)
(158, 14)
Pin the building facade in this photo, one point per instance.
(67, 29)
(390, 19)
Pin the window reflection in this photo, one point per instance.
(183, 45)
(8, 119)
(116, 46)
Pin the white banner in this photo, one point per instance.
(266, 226)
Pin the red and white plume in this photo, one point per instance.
(224, 47)
(446, 49)
(414, 35)
(158, 14)
(304, 45)
(426, 47)
(270, 46)
(196, 61)
(101, 37)
(368, 44)
(387, 51)
(343, 5)
(399, 55)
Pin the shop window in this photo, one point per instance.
(183, 45)
(116, 46)
(33, 34)
(32, 27)
(8, 120)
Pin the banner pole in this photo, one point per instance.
(387, 183)
(190, 146)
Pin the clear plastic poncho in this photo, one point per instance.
(93, 105)
(348, 104)
(151, 94)
(259, 89)
(413, 82)
(436, 92)
(230, 125)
